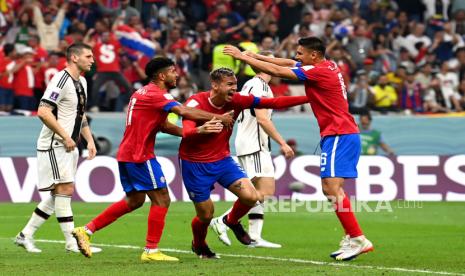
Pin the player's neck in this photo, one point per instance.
(216, 100)
(160, 84)
(73, 71)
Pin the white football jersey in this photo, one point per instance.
(251, 137)
(68, 96)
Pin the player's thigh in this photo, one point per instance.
(199, 179)
(204, 210)
(56, 166)
(258, 164)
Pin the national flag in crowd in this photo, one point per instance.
(130, 38)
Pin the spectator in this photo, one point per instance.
(371, 138)
(359, 46)
(411, 94)
(23, 80)
(21, 31)
(433, 100)
(86, 11)
(290, 14)
(449, 82)
(360, 94)
(234, 20)
(8, 67)
(385, 96)
(47, 27)
(125, 11)
(418, 36)
(183, 90)
(170, 14)
(462, 94)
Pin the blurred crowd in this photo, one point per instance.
(396, 56)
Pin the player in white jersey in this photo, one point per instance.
(254, 131)
(62, 111)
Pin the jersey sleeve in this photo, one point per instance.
(165, 102)
(306, 72)
(55, 90)
(244, 102)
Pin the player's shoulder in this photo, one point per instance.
(83, 80)
(197, 99)
(60, 79)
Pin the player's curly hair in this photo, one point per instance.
(218, 74)
(313, 43)
(156, 65)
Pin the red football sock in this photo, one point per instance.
(347, 218)
(199, 231)
(238, 210)
(156, 224)
(109, 215)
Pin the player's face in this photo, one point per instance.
(170, 76)
(226, 87)
(85, 60)
(306, 56)
(365, 122)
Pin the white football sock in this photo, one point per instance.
(42, 212)
(64, 216)
(225, 214)
(256, 221)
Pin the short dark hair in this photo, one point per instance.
(76, 49)
(218, 74)
(156, 65)
(8, 48)
(313, 43)
(366, 113)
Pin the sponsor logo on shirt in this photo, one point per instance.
(192, 103)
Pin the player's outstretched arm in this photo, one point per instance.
(278, 61)
(87, 134)
(269, 128)
(45, 114)
(195, 114)
(266, 67)
(171, 129)
(281, 102)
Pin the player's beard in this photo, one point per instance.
(171, 85)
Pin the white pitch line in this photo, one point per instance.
(269, 258)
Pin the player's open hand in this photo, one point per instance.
(287, 151)
(227, 119)
(92, 150)
(212, 126)
(232, 51)
(70, 145)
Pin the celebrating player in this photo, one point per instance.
(206, 159)
(340, 139)
(253, 151)
(140, 172)
(61, 109)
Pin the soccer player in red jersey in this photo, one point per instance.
(206, 158)
(140, 172)
(340, 139)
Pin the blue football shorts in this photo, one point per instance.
(199, 178)
(339, 155)
(145, 176)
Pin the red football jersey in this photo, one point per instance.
(147, 111)
(6, 81)
(215, 146)
(107, 56)
(327, 94)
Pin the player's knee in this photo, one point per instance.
(135, 203)
(65, 189)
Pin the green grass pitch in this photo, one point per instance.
(408, 240)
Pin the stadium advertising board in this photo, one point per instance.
(416, 178)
